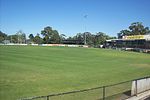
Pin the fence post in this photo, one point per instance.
(103, 92)
(136, 87)
(47, 97)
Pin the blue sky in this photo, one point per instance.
(67, 16)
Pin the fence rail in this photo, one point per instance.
(119, 91)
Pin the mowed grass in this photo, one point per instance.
(33, 70)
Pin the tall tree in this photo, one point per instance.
(21, 36)
(31, 37)
(79, 36)
(13, 38)
(3, 36)
(92, 39)
(101, 38)
(37, 39)
(124, 33)
(55, 38)
(62, 37)
(137, 28)
(47, 32)
(146, 30)
(50, 35)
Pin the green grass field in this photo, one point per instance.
(33, 71)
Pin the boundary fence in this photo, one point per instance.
(119, 91)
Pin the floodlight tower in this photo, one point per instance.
(85, 17)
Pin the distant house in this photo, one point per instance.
(6, 41)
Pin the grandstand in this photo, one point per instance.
(81, 42)
(133, 42)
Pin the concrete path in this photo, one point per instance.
(142, 96)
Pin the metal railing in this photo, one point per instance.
(119, 91)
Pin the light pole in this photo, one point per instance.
(11, 39)
(85, 17)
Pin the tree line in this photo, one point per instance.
(19, 37)
(136, 28)
(51, 36)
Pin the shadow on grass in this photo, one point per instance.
(119, 96)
